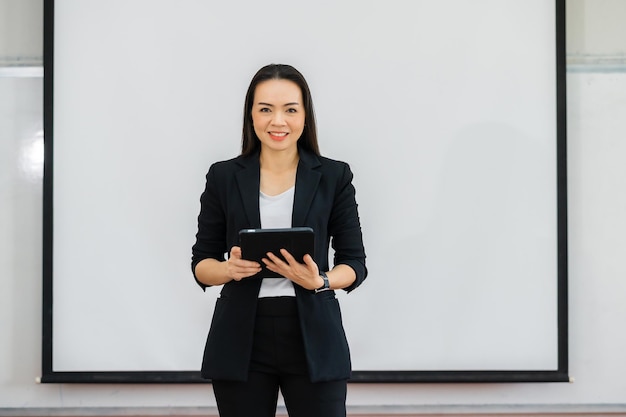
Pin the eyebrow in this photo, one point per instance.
(284, 105)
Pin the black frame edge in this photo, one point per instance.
(48, 113)
(457, 376)
(130, 377)
(192, 377)
(562, 233)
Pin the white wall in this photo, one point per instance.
(597, 227)
(596, 28)
(20, 32)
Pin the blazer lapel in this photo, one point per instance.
(307, 180)
(248, 180)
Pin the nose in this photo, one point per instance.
(278, 119)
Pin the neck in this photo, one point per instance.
(279, 161)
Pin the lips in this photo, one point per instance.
(278, 135)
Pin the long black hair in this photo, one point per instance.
(250, 143)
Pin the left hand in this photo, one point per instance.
(304, 274)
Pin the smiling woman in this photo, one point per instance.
(278, 120)
(278, 115)
(278, 333)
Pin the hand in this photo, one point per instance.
(304, 274)
(238, 268)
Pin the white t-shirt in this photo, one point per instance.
(276, 212)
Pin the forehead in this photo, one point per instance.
(277, 92)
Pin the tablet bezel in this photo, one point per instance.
(256, 243)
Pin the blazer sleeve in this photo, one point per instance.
(345, 228)
(211, 235)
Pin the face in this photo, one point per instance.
(278, 115)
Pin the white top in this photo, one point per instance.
(276, 211)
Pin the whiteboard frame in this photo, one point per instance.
(364, 376)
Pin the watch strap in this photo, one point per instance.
(326, 285)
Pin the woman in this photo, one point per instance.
(278, 333)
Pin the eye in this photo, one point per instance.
(264, 110)
(292, 110)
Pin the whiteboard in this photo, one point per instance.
(447, 111)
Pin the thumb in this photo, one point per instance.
(235, 252)
(310, 263)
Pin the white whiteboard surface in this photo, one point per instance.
(448, 122)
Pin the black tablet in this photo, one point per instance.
(255, 243)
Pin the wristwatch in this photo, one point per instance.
(326, 285)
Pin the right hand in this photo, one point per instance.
(238, 268)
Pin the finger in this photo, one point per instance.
(308, 260)
(275, 259)
(294, 263)
(243, 263)
(271, 265)
(235, 252)
(239, 268)
(235, 256)
(236, 259)
(240, 273)
(273, 268)
(288, 257)
(268, 262)
(247, 264)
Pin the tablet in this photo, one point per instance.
(255, 243)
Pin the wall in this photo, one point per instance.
(597, 226)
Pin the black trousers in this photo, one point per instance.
(278, 362)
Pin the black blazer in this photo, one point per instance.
(325, 201)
